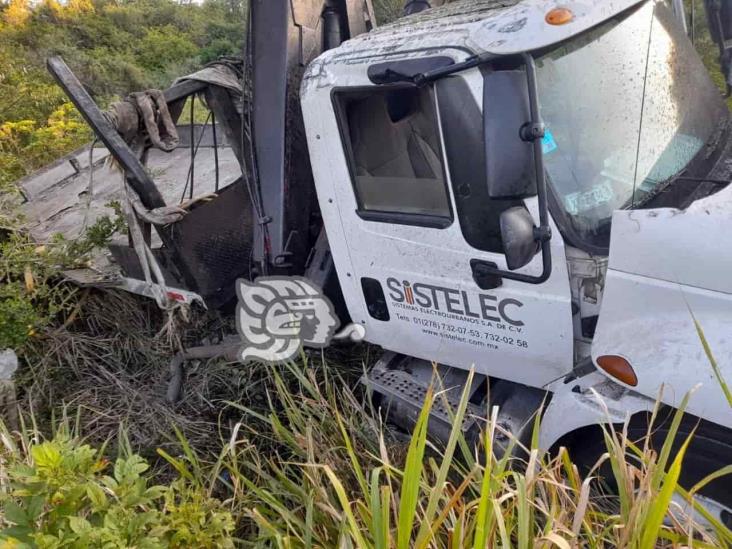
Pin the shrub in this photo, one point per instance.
(63, 493)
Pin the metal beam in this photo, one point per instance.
(135, 172)
(270, 27)
(137, 177)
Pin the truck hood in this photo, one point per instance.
(690, 247)
(668, 270)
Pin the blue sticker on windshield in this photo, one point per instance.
(547, 142)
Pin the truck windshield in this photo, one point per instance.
(627, 107)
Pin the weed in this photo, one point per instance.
(64, 493)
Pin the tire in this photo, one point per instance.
(709, 451)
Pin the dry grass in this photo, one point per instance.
(111, 363)
(387, 10)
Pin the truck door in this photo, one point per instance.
(416, 229)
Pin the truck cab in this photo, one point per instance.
(585, 241)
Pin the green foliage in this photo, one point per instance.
(18, 317)
(62, 493)
(388, 10)
(334, 478)
(26, 144)
(97, 235)
(163, 45)
(31, 294)
(113, 47)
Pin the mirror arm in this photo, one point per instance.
(533, 132)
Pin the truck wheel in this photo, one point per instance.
(709, 451)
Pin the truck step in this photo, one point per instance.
(399, 384)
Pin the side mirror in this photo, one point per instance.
(509, 152)
(515, 166)
(519, 237)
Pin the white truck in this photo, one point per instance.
(539, 193)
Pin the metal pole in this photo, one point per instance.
(137, 177)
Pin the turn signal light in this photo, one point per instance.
(559, 16)
(619, 368)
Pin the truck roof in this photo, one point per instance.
(478, 26)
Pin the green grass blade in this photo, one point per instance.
(484, 518)
(659, 506)
(665, 452)
(379, 529)
(355, 530)
(710, 356)
(355, 464)
(425, 530)
(524, 512)
(412, 476)
(723, 472)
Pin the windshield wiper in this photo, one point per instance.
(705, 152)
(701, 180)
(664, 186)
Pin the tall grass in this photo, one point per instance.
(315, 467)
(334, 477)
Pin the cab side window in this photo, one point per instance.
(392, 145)
(462, 124)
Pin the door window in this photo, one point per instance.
(462, 124)
(392, 145)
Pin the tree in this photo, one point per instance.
(17, 12)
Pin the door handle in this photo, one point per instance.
(484, 274)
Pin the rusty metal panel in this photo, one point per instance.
(214, 241)
(306, 13)
(361, 17)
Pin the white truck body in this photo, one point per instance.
(666, 266)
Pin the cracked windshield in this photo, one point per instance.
(626, 107)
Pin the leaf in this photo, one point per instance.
(129, 469)
(177, 464)
(79, 525)
(346, 505)
(724, 471)
(425, 531)
(15, 514)
(97, 496)
(557, 540)
(484, 517)
(413, 476)
(379, 530)
(46, 455)
(525, 516)
(712, 361)
(15, 536)
(659, 507)
(155, 492)
(35, 507)
(358, 471)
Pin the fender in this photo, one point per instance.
(669, 270)
(590, 400)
